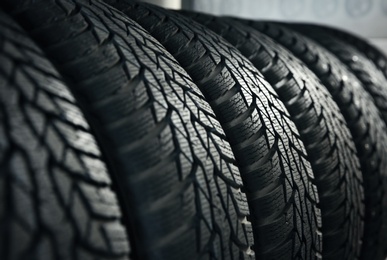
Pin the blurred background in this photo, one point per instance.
(367, 18)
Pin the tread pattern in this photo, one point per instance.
(365, 124)
(377, 56)
(56, 195)
(265, 142)
(323, 129)
(365, 70)
(161, 135)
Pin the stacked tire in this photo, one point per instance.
(128, 131)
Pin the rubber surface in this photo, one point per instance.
(179, 183)
(364, 69)
(323, 129)
(56, 196)
(364, 121)
(270, 155)
(377, 56)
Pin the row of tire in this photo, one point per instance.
(128, 131)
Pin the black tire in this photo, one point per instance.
(271, 157)
(178, 181)
(365, 124)
(56, 196)
(372, 79)
(378, 57)
(322, 128)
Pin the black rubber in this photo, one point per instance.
(372, 79)
(179, 185)
(272, 159)
(364, 121)
(56, 196)
(322, 128)
(378, 57)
